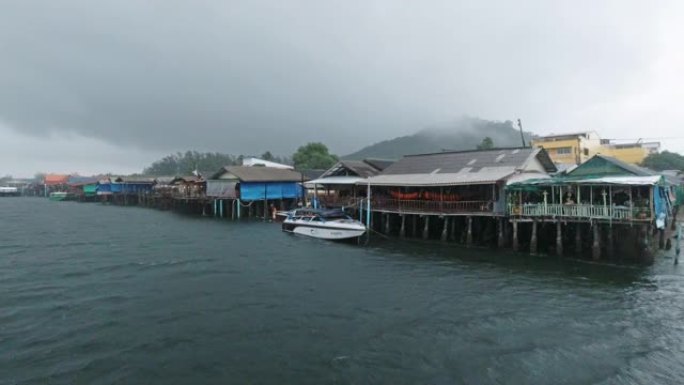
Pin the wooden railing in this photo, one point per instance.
(433, 207)
(335, 201)
(579, 211)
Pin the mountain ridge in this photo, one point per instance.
(463, 134)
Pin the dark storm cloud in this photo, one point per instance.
(247, 76)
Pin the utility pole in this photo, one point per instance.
(522, 136)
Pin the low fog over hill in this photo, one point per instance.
(463, 134)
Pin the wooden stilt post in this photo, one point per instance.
(445, 230)
(469, 236)
(610, 245)
(426, 228)
(646, 252)
(402, 230)
(388, 224)
(578, 238)
(515, 235)
(678, 248)
(501, 240)
(673, 222)
(559, 238)
(533, 238)
(414, 233)
(452, 236)
(596, 246)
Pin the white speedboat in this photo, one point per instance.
(324, 224)
(9, 191)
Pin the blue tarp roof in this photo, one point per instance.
(276, 190)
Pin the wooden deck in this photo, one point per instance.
(422, 207)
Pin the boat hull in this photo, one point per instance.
(9, 192)
(328, 232)
(58, 196)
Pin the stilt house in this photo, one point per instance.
(455, 183)
(188, 187)
(601, 189)
(250, 184)
(55, 182)
(609, 207)
(337, 186)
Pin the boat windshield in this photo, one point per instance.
(318, 215)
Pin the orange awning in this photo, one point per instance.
(54, 179)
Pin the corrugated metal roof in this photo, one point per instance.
(335, 180)
(54, 179)
(485, 175)
(256, 162)
(360, 168)
(310, 174)
(133, 179)
(626, 180)
(260, 174)
(186, 179)
(454, 162)
(631, 168)
(379, 164)
(165, 179)
(458, 168)
(525, 176)
(76, 180)
(562, 134)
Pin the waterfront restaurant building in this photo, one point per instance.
(337, 186)
(455, 183)
(590, 203)
(456, 195)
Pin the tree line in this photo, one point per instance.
(309, 156)
(665, 160)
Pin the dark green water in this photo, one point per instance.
(93, 294)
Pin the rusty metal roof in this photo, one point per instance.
(259, 174)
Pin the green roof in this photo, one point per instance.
(601, 165)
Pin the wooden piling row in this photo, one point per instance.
(601, 240)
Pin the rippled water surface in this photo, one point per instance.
(93, 294)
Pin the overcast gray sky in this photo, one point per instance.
(109, 86)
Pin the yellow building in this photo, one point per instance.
(570, 149)
(575, 148)
(634, 153)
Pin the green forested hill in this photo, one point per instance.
(464, 134)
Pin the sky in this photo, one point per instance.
(110, 86)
